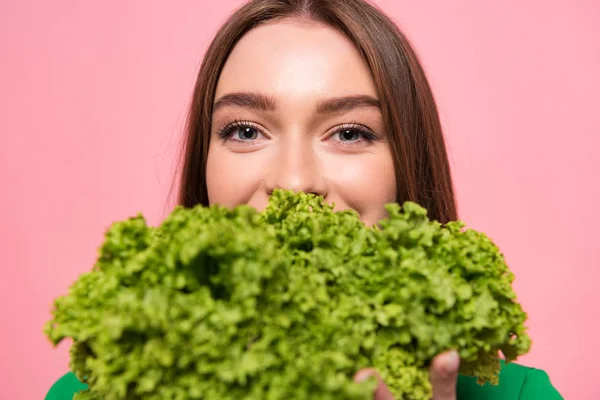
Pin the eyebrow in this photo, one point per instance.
(256, 101)
(262, 102)
(337, 105)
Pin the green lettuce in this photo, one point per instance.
(287, 303)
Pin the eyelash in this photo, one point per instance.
(366, 134)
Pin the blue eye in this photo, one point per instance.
(246, 133)
(240, 131)
(349, 135)
(352, 134)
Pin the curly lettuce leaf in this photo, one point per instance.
(288, 303)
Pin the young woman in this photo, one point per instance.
(326, 97)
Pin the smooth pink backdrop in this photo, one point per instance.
(92, 100)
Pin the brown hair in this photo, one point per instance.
(409, 110)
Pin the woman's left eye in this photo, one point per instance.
(348, 135)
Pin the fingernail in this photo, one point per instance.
(451, 362)
(362, 376)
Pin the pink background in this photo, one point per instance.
(93, 96)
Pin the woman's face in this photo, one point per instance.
(296, 108)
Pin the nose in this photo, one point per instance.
(296, 167)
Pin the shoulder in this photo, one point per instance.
(517, 382)
(65, 388)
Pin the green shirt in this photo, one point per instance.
(516, 382)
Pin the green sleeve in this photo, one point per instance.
(517, 382)
(65, 388)
(537, 386)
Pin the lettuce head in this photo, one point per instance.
(287, 303)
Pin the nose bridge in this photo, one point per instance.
(297, 167)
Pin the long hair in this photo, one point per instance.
(409, 111)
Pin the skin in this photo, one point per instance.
(296, 108)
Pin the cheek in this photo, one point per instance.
(231, 179)
(364, 183)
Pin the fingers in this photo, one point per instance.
(444, 374)
(382, 392)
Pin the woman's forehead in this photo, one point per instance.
(295, 60)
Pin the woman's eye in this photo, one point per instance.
(240, 132)
(246, 133)
(353, 135)
(349, 135)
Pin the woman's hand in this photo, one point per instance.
(443, 375)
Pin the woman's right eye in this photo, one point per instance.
(247, 133)
(241, 132)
